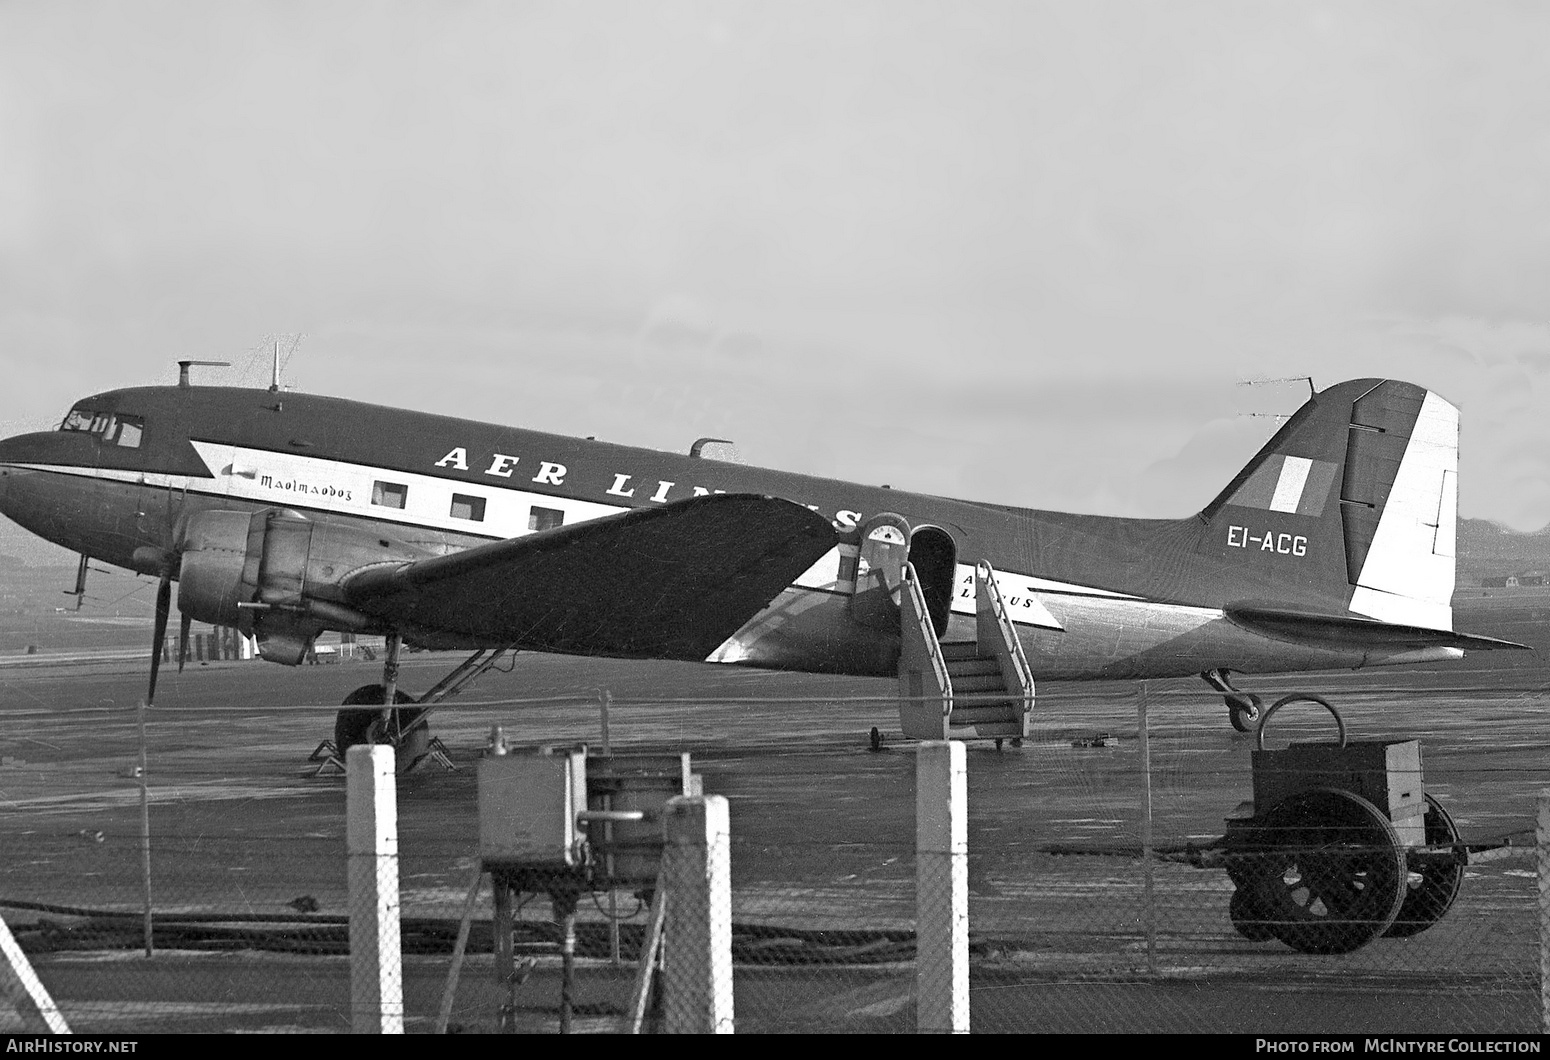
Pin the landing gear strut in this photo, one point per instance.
(1242, 707)
(367, 717)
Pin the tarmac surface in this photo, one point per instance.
(249, 878)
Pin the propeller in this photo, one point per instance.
(159, 636)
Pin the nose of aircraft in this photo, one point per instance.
(7, 470)
(15, 454)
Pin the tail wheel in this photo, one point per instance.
(1243, 709)
(353, 727)
(1433, 879)
(1327, 873)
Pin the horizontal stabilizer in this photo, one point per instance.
(672, 582)
(1347, 633)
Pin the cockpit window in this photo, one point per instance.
(128, 432)
(123, 430)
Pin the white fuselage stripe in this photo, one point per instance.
(266, 478)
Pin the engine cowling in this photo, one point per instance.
(274, 574)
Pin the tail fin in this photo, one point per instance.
(1351, 507)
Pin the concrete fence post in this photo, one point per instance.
(25, 991)
(697, 943)
(371, 844)
(1542, 838)
(941, 888)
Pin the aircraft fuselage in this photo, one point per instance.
(1092, 597)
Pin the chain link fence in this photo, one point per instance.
(1085, 914)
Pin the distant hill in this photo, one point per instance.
(1487, 549)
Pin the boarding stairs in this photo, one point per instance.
(962, 690)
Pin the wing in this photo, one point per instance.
(663, 583)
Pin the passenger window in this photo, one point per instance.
(544, 518)
(464, 507)
(389, 494)
(130, 428)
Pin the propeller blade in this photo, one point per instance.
(183, 627)
(159, 637)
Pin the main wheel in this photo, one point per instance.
(1433, 879)
(1243, 710)
(353, 727)
(1325, 870)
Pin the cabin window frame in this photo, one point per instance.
(475, 505)
(540, 518)
(384, 494)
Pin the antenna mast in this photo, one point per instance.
(274, 382)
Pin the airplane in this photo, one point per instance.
(285, 514)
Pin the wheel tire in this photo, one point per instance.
(875, 738)
(1327, 872)
(353, 727)
(1246, 918)
(1433, 879)
(1243, 710)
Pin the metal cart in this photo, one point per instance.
(1343, 845)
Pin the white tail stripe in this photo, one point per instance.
(1408, 575)
(1289, 487)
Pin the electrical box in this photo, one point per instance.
(528, 803)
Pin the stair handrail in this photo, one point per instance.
(921, 617)
(995, 630)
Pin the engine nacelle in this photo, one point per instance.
(214, 547)
(274, 574)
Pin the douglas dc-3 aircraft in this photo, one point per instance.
(285, 514)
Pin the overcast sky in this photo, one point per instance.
(1017, 252)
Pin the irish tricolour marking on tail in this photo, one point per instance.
(1290, 483)
(1408, 575)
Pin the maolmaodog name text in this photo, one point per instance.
(1399, 1045)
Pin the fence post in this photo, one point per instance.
(941, 888)
(371, 844)
(697, 946)
(1542, 838)
(1149, 896)
(22, 987)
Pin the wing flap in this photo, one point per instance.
(672, 582)
(1346, 632)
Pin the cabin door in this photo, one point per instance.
(887, 544)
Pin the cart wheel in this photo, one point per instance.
(1247, 920)
(1327, 872)
(1434, 879)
